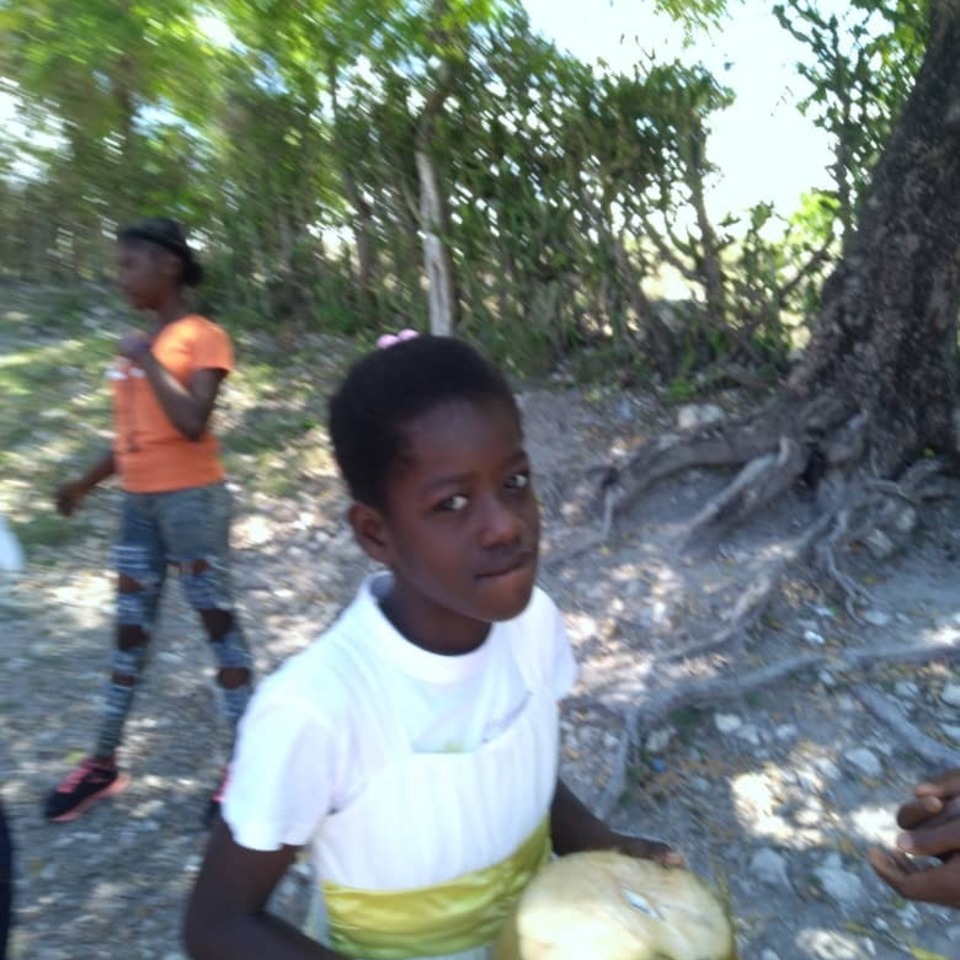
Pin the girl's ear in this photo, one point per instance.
(370, 531)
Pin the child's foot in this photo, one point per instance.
(91, 781)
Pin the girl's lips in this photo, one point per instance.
(518, 562)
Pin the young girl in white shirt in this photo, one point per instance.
(413, 748)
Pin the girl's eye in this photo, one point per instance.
(453, 504)
(519, 481)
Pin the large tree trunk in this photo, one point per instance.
(885, 339)
(878, 385)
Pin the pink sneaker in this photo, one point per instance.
(91, 781)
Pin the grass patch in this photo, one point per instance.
(687, 722)
(261, 433)
(47, 529)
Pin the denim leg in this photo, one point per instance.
(141, 568)
(196, 529)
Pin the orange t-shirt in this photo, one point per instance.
(151, 455)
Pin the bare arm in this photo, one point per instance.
(68, 496)
(226, 916)
(189, 407)
(574, 829)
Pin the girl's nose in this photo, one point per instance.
(500, 523)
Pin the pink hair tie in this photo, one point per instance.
(391, 340)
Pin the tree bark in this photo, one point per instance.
(438, 265)
(710, 267)
(434, 217)
(884, 341)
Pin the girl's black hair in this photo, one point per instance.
(168, 234)
(390, 387)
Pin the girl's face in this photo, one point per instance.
(461, 527)
(145, 274)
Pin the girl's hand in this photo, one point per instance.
(931, 828)
(68, 497)
(939, 883)
(134, 346)
(936, 802)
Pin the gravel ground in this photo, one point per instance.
(774, 793)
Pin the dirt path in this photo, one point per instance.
(775, 793)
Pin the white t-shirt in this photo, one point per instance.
(306, 746)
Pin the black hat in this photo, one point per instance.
(168, 234)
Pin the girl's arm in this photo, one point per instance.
(189, 407)
(69, 495)
(574, 829)
(226, 916)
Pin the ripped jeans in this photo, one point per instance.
(188, 530)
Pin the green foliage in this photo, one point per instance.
(861, 73)
(288, 146)
(680, 390)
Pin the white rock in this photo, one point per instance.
(865, 761)
(813, 638)
(727, 722)
(770, 868)
(906, 520)
(692, 415)
(877, 618)
(749, 733)
(906, 690)
(659, 740)
(841, 885)
(951, 695)
(701, 785)
(953, 732)
(879, 544)
(812, 814)
(827, 678)
(909, 916)
(884, 748)
(786, 731)
(655, 614)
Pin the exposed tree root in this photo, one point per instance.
(825, 444)
(590, 542)
(891, 716)
(702, 693)
(753, 601)
(757, 484)
(728, 445)
(828, 562)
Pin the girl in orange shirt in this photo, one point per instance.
(176, 507)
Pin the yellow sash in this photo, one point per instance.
(462, 913)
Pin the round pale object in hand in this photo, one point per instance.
(606, 906)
